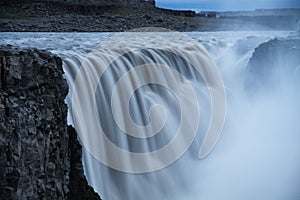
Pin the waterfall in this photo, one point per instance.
(136, 107)
(167, 115)
(141, 93)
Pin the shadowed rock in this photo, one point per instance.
(37, 159)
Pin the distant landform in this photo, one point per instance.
(117, 15)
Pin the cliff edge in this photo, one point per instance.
(38, 158)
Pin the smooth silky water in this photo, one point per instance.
(257, 155)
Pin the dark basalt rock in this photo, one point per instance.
(79, 188)
(35, 155)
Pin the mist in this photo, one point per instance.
(258, 153)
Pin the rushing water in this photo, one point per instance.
(258, 152)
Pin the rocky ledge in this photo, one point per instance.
(279, 55)
(40, 156)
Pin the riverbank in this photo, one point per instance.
(119, 16)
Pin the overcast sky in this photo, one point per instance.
(199, 5)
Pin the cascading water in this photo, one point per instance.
(138, 89)
(125, 80)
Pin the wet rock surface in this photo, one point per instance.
(36, 159)
(79, 188)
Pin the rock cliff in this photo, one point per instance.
(38, 157)
(275, 56)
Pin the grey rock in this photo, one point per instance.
(37, 156)
(273, 55)
(23, 155)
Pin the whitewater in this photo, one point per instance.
(167, 115)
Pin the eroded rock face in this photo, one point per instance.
(33, 136)
(35, 159)
(275, 56)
